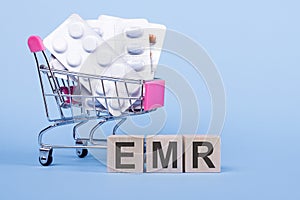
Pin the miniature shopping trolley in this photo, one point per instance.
(73, 105)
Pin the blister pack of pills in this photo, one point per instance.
(56, 65)
(113, 55)
(105, 62)
(112, 90)
(95, 25)
(129, 41)
(107, 46)
(156, 34)
(72, 42)
(138, 40)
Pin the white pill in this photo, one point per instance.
(76, 30)
(135, 49)
(104, 57)
(59, 45)
(137, 65)
(134, 32)
(89, 44)
(116, 104)
(74, 59)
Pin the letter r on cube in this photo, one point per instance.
(202, 153)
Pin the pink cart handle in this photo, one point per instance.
(35, 44)
(154, 94)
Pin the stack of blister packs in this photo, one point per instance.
(107, 46)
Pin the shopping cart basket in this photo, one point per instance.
(63, 93)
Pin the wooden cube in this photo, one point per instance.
(164, 153)
(202, 153)
(125, 153)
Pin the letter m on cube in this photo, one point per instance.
(164, 153)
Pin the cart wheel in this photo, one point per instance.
(81, 152)
(46, 162)
(45, 157)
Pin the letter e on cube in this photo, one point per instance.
(125, 153)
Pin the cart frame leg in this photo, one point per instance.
(75, 129)
(118, 125)
(42, 132)
(93, 131)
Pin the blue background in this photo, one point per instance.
(255, 45)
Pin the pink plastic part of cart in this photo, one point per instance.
(154, 94)
(35, 44)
